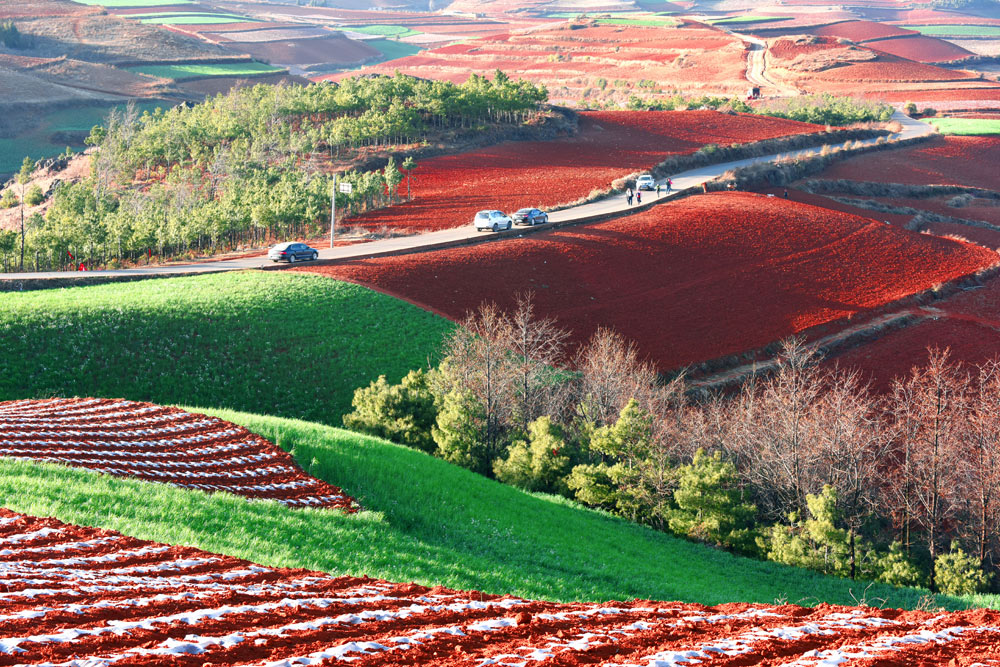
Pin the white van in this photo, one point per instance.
(495, 220)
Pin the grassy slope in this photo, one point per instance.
(284, 344)
(966, 126)
(430, 522)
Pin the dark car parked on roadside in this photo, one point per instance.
(292, 252)
(529, 216)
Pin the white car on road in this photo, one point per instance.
(645, 182)
(495, 220)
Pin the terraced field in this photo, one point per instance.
(159, 444)
(77, 596)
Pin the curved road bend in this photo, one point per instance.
(614, 204)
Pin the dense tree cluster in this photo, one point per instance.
(823, 109)
(803, 466)
(12, 38)
(255, 162)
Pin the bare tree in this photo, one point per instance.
(980, 462)
(777, 441)
(537, 345)
(478, 360)
(927, 407)
(611, 375)
(852, 445)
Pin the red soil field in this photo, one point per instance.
(159, 444)
(81, 597)
(988, 238)
(698, 279)
(969, 161)
(922, 49)
(892, 69)
(570, 62)
(450, 189)
(895, 353)
(859, 31)
(788, 49)
(981, 96)
(335, 49)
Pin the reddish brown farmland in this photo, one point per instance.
(80, 596)
(583, 63)
(611, 144)
(698, 279)
(969, 161)
(860, 31)
(159, 444)
(922, 49)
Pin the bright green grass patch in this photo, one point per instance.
(217, 69)
(966, 126)
(192, 19)
(963, 30)
(429, 522)
(748, 19)
(134, 3)
(42, 140)
(386, 30)
(284, 343)
(392, 49)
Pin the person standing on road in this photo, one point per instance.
(670, 185)
(638, 196)
(657, 190)
(628, 196)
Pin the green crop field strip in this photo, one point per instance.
(430, 522)
(392, 49)
(196, 19)
(197, 70)
(43, 140)
(385, 30)
(967, 126)
(956, 30)
(271, 342)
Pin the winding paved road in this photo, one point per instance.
(609, 206)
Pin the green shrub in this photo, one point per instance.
(34, 196)
(958, 573)
(897, 569)
(539, 463)
(403, 413)
(710, 507)
(815, 543)
(8, 199)
(457, 432)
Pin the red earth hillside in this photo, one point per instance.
(159, 444)
(448, 190)
(81, 597)
(693, 280)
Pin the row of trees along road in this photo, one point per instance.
(254, 163)
(804, 466)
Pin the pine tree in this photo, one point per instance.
(537, 464)
(458, 430)
(393, 177)
(709, 503)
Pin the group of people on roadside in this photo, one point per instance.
(637, 194)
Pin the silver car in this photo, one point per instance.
(292, 252)
(495, 220)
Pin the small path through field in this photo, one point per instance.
(614, 205)
(757, 65)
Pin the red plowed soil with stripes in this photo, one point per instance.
(859, 31)
(969, 161)
(85, 597)
(693, 280)
(922, 49)
(448, 190)
(159, 444)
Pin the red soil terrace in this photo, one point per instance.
(80, 596)
(693, 280)
(859, 31)
(922, 49)
(159, 444)
(449, 190)
(969, 161)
